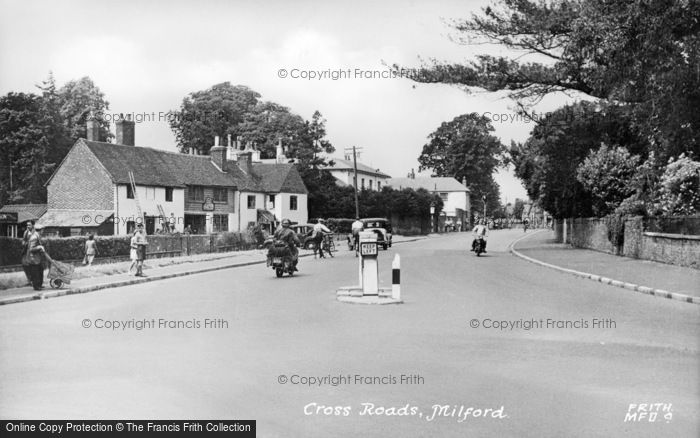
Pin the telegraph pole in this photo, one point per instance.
(355, 151)
(354, 163)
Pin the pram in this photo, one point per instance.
(59, 273)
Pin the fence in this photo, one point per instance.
(111, 248)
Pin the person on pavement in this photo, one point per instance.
(25, 245)
(357, 228)
(480, 230)
(288, 236)
(141, 244)
(35, 258)
(320, 229)
(90, 250)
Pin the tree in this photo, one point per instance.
(225, 109)
(58, 132)
(464, 148)
(217, 111)
(606, 174)
(78, 100)
(641, 54)
(518, 208)
(548, 161)
(24, 140)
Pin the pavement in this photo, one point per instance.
(653, 278)
(91, 284)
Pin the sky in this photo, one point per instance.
(147, 56)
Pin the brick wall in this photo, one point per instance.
(80, 183)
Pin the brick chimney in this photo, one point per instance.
(245, 162)
(93, 129)
(218, 155)
(125, 130)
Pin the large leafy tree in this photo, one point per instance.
(641, 54)
(25, 136)
(78, 100)
(225, 109)
(549, 160)
(465, 148)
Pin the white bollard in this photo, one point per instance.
(396, 278)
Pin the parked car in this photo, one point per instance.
(304, 232)
(380, 226)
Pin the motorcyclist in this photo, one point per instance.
(288, 236)
(480, 230)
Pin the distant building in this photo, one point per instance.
(454, 195)
(226, 190)
(14, 216)
(367, 177)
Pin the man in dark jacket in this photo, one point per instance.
(34, 258)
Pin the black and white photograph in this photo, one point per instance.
(406, 218)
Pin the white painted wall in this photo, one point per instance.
(455, 200)
(347, 178)
(149, 198)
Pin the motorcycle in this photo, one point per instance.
(280, 258)
(479, 245)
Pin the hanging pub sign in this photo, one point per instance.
(208, 204)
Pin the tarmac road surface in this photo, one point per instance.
(533, 351)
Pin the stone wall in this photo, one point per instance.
(592, 233)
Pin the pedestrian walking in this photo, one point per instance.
(25, 246)
(90, 250)
(34, 258)
(133, 252)
(141, 244)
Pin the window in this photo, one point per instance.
(129, 192)
(168, 194)
(221, 195)
(379, 185)
(370, 184)
(443, 196)
(196, 193)
(251, 202)
(292, 202)
(363, 184)
(272, 200)
(220, 223)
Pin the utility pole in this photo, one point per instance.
(484, 198)
(355, 151)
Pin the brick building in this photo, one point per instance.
(224, 191)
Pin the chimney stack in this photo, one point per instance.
(125, 130)
(245, 162)
(218, 155)
(93, 128)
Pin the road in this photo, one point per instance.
(549, 382)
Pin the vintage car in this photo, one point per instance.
(380, 226)
(304, 232)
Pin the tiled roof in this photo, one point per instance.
(153, 167)
(25, 212)
(431, 184)
(75, 218)
(156, 167)
(348, 165)
(278, 178)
